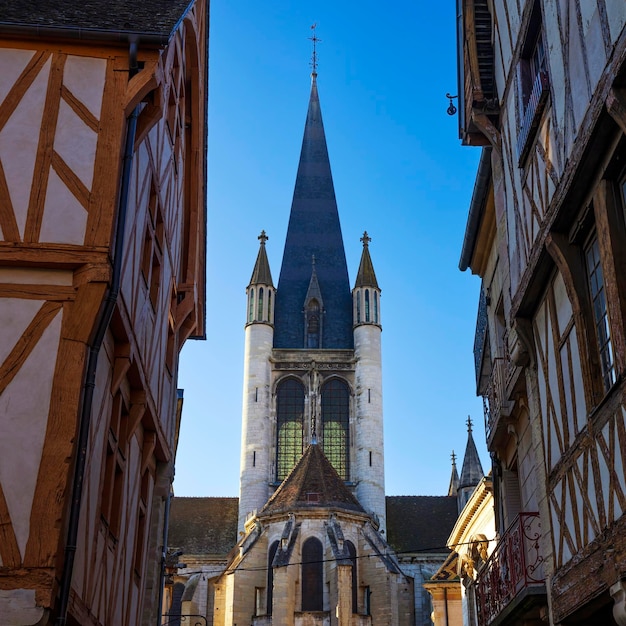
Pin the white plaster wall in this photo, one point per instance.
(370, 479)
(255, 428)
(24, 411)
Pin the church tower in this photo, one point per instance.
(312, 371)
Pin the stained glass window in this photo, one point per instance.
(335, 425)
(290, 423)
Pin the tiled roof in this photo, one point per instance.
(152, 17)
(314, 230)
(312, 483)
(203, 525)
(420, 523)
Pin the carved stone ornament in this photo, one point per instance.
(520, 343)
(618, 593)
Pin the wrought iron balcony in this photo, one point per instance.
(497, 404)
(513, 571)
(532, 114)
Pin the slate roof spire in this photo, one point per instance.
(261, 274)
(314, 230)
(472, 472)
(454, 478)
(366, 276)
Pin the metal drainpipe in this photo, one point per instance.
(445, 604)
(106, 313)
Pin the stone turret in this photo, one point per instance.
(256, 431)
(453, 489)
(370, 488)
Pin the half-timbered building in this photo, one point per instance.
(542, 90)
(102, 229)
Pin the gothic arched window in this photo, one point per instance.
(269, 305)
(270, 577)
(367, 305)
(260, 311)
(335, 425)
(375, 307)
(289, 426)
(352, 552)
(312, 575)
(358, 307)
(313, 324)
(251, 306)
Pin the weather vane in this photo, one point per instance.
(314, 39)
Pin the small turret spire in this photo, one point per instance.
(454, 478)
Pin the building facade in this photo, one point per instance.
(542, 91)
(317, 541)
(102, 189)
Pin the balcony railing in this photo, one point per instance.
(516, 564)
(532, 114)
(497, 404)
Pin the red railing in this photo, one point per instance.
(514, 565)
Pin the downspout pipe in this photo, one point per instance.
(166, 527)
(106, 313)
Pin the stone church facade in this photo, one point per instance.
(311, 545)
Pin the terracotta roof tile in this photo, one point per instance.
(313, 482)
(203, 525)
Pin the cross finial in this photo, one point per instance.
(262, 237)
(314, 39)
(469, 424)
(365, 239)
(453, 457)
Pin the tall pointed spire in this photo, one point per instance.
(314, 229)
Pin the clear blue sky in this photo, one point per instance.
(399, 173)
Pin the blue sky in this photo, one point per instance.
(399, 172)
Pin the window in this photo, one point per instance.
(289, 427)
(259, 314)
(269, 305)
(251, 305)
(313, 324)
(152, 252)
(375, 307)
(358, 307)
(335, 425)
(533, 82)
(114, 467)
(312, 575)
(367, 305)
(600, 314)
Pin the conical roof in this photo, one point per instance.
(313, 482)
(366, 277)
(454, 478)
(472, 472)
(314, 230)
(261, 274)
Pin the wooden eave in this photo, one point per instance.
(478, 92)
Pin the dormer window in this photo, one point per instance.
(313, 324)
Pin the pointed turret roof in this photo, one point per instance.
(314, 229)
(314, 286)
(313, 482)
(261, 274)
(454, 478)
(472, 472)
(366, 277)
